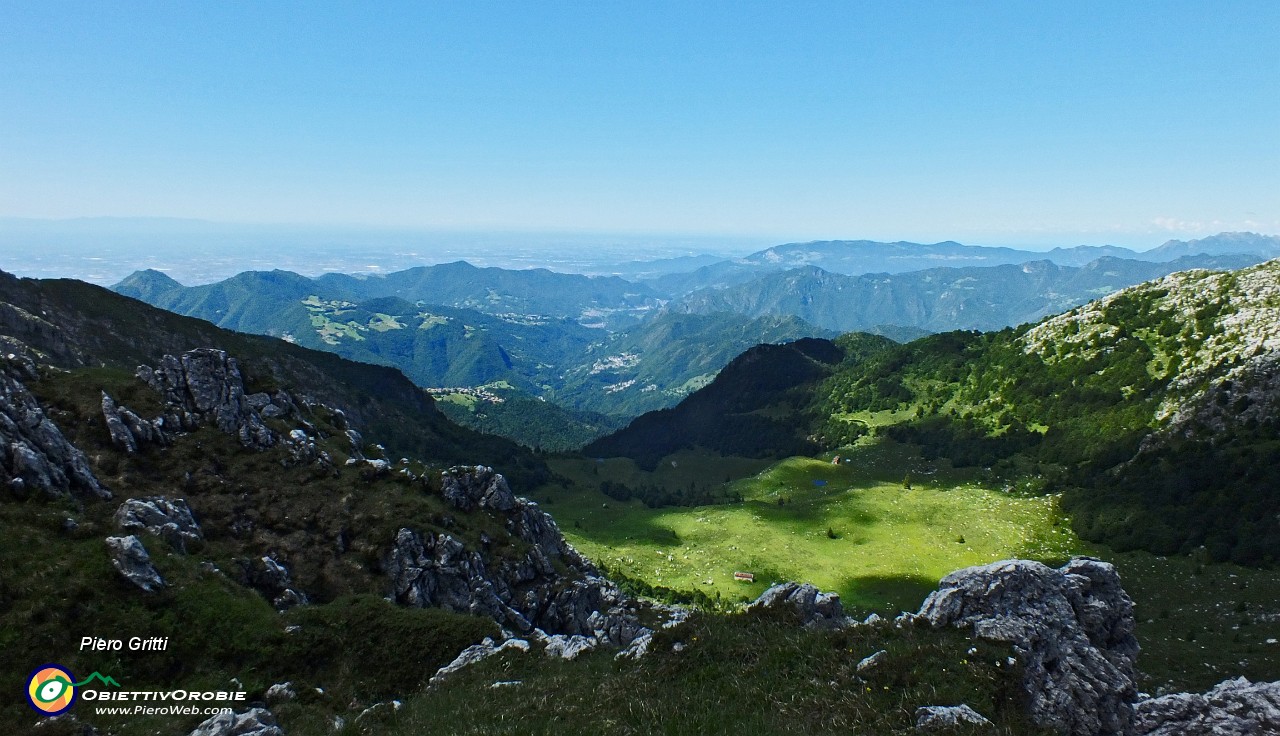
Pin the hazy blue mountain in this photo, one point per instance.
(656, 268)
(939, 299)
(856, 257)
(1266, 246)
(867, 256)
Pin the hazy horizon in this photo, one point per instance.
(104, 250)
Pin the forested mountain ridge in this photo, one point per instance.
(623, 373)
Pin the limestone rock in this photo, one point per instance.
(303, 449)
(945, 717)
(128, 430)
(1232, 708)
(281, 691)
(169, 519)
(570, 647)
(254, 722)
(1071, 628)
(551, 587)
(814, 607)
(638, 648)
(478, 487)
(477, 652)
(205, 385)
(131, 560)
(34, 454)
(437, 571)
(270, 577)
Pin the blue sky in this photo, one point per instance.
(1018, 123)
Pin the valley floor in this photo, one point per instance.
(856, 528)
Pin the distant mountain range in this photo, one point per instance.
(595, 350)
(938, 299)
(587, 373)
(854, 257)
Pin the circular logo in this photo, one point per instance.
(50, 690)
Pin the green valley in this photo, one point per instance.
(853, 526)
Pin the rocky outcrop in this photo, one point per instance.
(931, 718)
(169, 519)
(303, 448)
(271, 578)
(477, 652)
(128, 430)
(254, 722)
(205, 386)
(34, 454)
(550, 587)
(131, 560)
(1071, 629)
(1233, 708)
(815, 608)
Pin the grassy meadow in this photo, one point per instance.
(1197, 621)
(853, 526)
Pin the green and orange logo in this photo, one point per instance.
(51, 689)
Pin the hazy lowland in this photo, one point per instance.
(615, 498)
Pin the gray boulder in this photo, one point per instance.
(253, 722)
(1071, 628)
(946, 717)
(1232, 708)
(131, 560)
(169, 519)
(569, 647)
(814, 607)
(280, 691)
(34, 454)
(129, 431)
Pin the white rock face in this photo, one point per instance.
(255, 722)
(477, 652)
(1233, 708)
